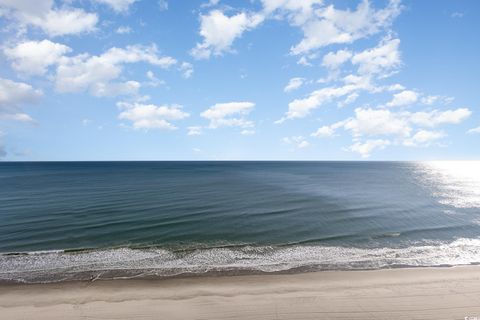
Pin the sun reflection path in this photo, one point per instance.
(455, 183)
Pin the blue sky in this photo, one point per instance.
(239, 80)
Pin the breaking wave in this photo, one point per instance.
(90, 264)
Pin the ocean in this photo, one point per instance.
(64, 221)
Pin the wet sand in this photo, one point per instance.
(418, 293)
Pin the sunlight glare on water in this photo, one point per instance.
(456, 183)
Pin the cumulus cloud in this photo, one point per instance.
(219, 31)
(123, 30)
(34, 57)
(372, 64)
(300, 108)
(294, 84)
(13, 95)
(163, 5)
(298, 141)
(474, 130)
(334, 26)
(297, 12)
(379, 60)
(194, 131)
(366, 148)
(96, 73)
(436, 117)
(324, 132)
(247, 132)
(351, 98)
(321, 25)
(403, 98)
(150, 116)
(372, 122)
(187, 69)
(333, 60)
(230, 114)
(423, 138)
(118, 5)
(396, 126)
(53, 21)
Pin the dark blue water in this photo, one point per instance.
(168, 218)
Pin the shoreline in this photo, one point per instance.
(113, 275)
(403, 293)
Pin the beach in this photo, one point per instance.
(409, 293)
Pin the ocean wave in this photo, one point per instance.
(52, 266)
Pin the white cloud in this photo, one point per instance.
(435, 117)
(34, 57)
(403, 98)
(457, 15)
(123, 30)
(372, 63)
(231, 114)
(294, 84)
(194, 131)
(210, 3)
(333, 26)
(53, 21)
(150, 116)
(13, 95)
(63, 22)
(219, 31)
(369, 122)
(351, 98)
(333, 60)
(372, 122)
(154, 81)
(304, 62)
(297, 12)
(187, 69)
(395, 87)
(118, 5)
(28, 7)
(429, 100)
(474, 130)
(366, 148)
(423, 138)
(96, 73)
(379, 60)
(298, 141)
(324, 132)
(163, 5)
(321, 25)
(300, 108)
(247, 132)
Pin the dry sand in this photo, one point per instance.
(423, 293)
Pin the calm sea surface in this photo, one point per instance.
(76, 220)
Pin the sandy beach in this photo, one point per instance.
(420, 293)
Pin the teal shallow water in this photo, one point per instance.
(176, 217)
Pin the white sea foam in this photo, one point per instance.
(53, 266)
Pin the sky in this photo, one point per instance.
(239, 80)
